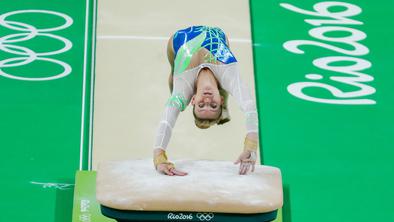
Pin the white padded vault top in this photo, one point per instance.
(210, 186)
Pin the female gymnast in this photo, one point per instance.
(203, 71)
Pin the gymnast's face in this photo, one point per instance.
(207, 100)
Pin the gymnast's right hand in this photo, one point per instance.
(162, 164)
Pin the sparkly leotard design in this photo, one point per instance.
(188, 41)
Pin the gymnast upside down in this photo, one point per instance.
(203, 72)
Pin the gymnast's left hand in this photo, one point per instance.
(248, 157)
(247, 161)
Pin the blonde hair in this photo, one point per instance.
(206, 123)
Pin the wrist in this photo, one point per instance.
(158, 151)
(253, 136)
(160, 157)
(250, 143)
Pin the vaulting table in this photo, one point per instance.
(212, 191)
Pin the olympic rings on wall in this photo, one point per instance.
(26, 55)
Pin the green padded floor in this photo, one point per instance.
(336, 156)
(45, 78)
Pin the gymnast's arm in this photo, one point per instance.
(240, 91)
(166, 124)
(170, 113)
(163, 136)
(233, 84)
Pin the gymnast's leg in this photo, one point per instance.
(170, 57)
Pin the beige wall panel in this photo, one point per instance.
(164, 17)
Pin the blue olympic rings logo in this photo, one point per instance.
(205, 216)
(26, 55)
